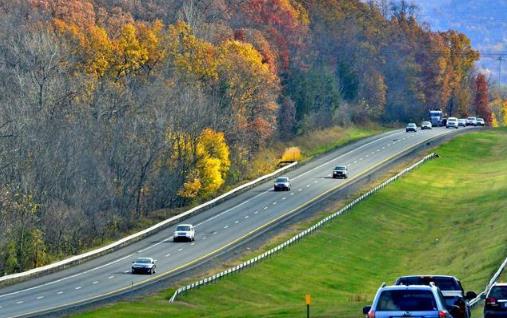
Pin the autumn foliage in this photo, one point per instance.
(113, 110)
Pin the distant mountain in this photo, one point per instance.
(483, 21)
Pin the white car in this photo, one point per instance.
(472, 121)
(426, 125)
(184, 232)
(452, 122)
(480, 122)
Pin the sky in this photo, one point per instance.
(483, 21)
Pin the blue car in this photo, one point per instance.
(409, 301)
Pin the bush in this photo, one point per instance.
(291, 154)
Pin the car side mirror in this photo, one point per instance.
(366, 309)
(470, 295)
(454, 310)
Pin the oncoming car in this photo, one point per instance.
(184, 232)
(340, 172)
(144, 265)
(462, 122)
(282, 184)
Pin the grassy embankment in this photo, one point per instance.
(446, 217)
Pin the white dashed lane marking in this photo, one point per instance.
(19, 302)
(246, 216)
(265, 208)
(167, 255)
(299, 190)
(78, 288)
(60, 292)
(226, 226)
(274, 203)
(40, 297)
(179, 250)
(111, 277)
(126, 272)
(284, 198)
(236, 221)
(192, 244)
(96, 282)
(256, 212)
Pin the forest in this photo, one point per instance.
(111, 110)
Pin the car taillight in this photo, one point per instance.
(490, 301)
(442, 314)
(371, 314)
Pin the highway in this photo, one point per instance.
(216, 229)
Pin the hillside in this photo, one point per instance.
(446, 217)
(114, 114)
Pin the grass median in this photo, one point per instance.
(446, 217)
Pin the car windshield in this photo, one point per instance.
(411, 125)
(406, 300)
(425, 122)
(183, 228)
(498, 292)
(444, 283)
(143, 261)
(339, 168)
(282, 179)
(471, 118)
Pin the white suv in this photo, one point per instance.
(185, 232)
(452, 122)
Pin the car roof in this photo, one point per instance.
(408, 287)
(500, 284)
(429, 275)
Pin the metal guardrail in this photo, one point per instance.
(493, 279)
(298, 237)
(77, 259)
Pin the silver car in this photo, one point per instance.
(480, 122)
(472, 121)
(462, 122)
(282, 184)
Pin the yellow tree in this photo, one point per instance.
(205, 160)
(129, 54)
(251, 91)
(190, 55)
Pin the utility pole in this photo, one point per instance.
(500, 59)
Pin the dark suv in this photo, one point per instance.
(450, 287)
(409, 301)
(495, 305)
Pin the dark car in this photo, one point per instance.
(450, 287)
(495, 305)
(340, 172)
(282, 184)
(144, 265)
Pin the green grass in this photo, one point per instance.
(446, 217)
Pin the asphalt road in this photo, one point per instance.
(216, 229)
